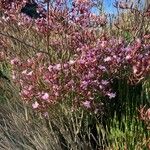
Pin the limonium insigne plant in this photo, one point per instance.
(80, 62)
(77, 60)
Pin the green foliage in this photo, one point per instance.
(129, 134)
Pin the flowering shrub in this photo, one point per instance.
(86, 77)
(85, 59)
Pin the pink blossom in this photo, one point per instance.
(39, 56)
(56, 94)
(134, 69)
(107, 59)
(15, 61)
(104, 82)
(45, 96)
(25, 92)
(20, 23)
(128, 57)
(87, 104)
(84, 84)
(103, 68)
(111, 95)
(30, 62)
(71, 62)
(24, 71)
(101, 87)
(50, 67)
(30, 73)
(57, 67)
(103, 44)
(35, 105)
(89, 59)
(65, 65)
(81, 61)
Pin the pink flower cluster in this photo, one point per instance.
(91, 61)
(60, 15)
(85, 78)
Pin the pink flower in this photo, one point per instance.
(103, 44)
(30, 62)
(104, 82)
(45, 96)
(24, 71)
(107, 59)
(134, 69)
(103, 68)
(87, 104)
(35, 105)
(128, 57)
(56, 94)
(25, 92)
(15, 61)
(39, 56)
(81, 61)
(57, 67)
(65, 66)
(84, 84)
(111, 95)
(30, 73)
(50, 67)
(71, 62)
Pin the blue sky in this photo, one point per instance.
(108, 7)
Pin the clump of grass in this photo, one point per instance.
(63, 129)
(130, 134)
